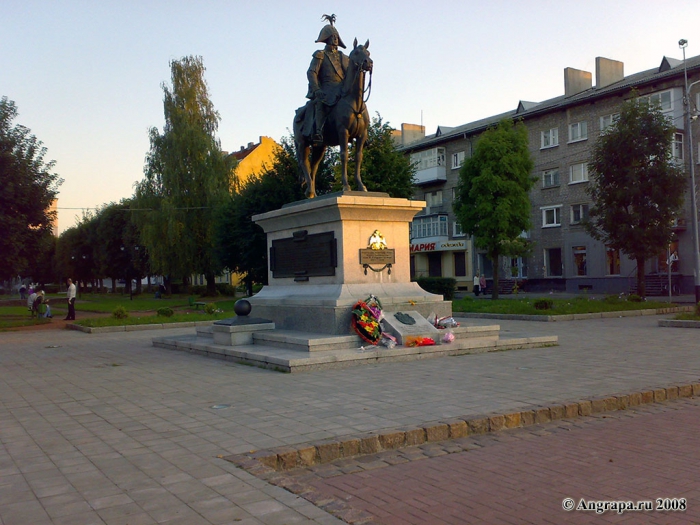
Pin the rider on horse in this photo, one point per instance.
(326, 74)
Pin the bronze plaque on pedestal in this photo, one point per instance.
(302, 256)
(370, 256)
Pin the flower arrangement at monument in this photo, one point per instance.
(365, 319)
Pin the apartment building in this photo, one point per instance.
(562, 132)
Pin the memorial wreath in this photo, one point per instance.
(365, 319)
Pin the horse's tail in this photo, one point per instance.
(297, 128)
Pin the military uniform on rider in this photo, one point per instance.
(326, 75)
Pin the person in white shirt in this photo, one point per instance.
(71, 301)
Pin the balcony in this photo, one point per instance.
(430, 175)
(679, 225)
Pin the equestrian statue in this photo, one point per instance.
(336, 112)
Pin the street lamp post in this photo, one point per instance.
(693, 197)
(129, 271)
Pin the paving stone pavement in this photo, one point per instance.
(107, 429)
(523, 476)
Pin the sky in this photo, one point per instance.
(87, 76)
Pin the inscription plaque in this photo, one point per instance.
(369, 256)
(302, 256)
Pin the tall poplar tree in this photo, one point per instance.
(636, 185)
(186, 180)
(493, 202)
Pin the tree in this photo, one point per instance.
(492, 202)
(28, 188)
(242, 243)
(186, 180)
(636, 186)
(120, 255)
(384, 168)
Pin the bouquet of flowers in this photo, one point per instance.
(365, 319)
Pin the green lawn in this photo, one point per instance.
(15, 316)
(147, 318)
(142, 310)
(106, 303)
(577, 305)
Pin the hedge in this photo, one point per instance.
(444, 286)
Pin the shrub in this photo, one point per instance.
(225, 289)
(210, 308)
(120, 313)
(697, 309)
(444, 286)
(544, 304)
(165, 311)
(612, 299)
(635, 298)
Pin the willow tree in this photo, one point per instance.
(636, 185)
(492, 202)
(186, 180)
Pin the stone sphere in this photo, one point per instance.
(242, 307)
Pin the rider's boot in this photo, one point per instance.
(317, 137)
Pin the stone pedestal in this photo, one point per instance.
(419, 328)
(238, 331)
(321, 304)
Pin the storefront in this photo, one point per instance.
(442, 258)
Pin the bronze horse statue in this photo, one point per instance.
(348, 119)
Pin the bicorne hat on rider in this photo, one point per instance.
(326, 33)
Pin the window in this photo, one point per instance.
(578, 173)
(429, 158)
(580, 260)
(608, 120)
(550, 138)
(579, 212)
(578, 131)
(434, 264)
(550, 178)
(433, 198)
(677, 147)
(457, 160)
(663, 99)
(431, 226)
(457, 230)
(612, 261)
(551, 216)
(460, 264)
(552, 262)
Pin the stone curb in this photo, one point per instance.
(266, 463)
(678, 323)
(574, 317)
(135, 327)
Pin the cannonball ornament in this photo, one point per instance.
(242, 307)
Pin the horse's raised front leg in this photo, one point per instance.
(344, 159)
(359, 146)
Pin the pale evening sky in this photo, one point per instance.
(86, 75)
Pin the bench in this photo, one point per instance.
(196, 304)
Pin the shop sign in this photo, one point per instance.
(438, 246)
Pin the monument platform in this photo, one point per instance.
(293, 351)
(325, 255)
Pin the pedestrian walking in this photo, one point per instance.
(477, 284)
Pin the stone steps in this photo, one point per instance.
(297, 360)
